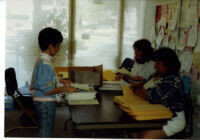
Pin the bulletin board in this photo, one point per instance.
(166, 21)
(177, 26)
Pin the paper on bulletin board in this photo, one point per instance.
(165, 41)
(173, 20)
(164, 17)
(173, 39)
(192, 14)
(160, 37)
(193, 74)
(198, 9)
(186, 3)
(186, 59)
(193, 3)
(197, 47)
(196, 60)
(192, 36)
(180, 47)
(183, 36)
(184, 17)
(153, 44)
(188, 12)
(152, 33)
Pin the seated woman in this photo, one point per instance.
(143, 66)
(165, 87)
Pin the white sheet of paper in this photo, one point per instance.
(185, 3)
(197, 48)
(173, 21)
(182, 36)
(160, 37)
(184, 18)
(184, 11)
(192, 38)
(191, 14)
(198, 9)
(186, 59)
(172, 45)
(193, 74)
(153, 34)
(173, 39)
(165, 41)
(193, 3)
(180, 47)
(153, 44)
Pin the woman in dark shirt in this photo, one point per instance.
(165, 87)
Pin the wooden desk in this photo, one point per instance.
(106, 115)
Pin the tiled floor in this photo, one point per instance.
(62, 114)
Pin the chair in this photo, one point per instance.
(188, 109)
(20, 100)
(127, 63)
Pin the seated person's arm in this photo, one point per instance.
(141, 92)
(139, 82)
(118, 76)
(129, 78)
(137, 78)
(62, 89)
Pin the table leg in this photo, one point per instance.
(93, 133)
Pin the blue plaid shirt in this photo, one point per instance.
(168, 91)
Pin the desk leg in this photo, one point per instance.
(66, 122)
(125, 134)
(93, 133)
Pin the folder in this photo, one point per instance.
(139, 108)
(109, 75)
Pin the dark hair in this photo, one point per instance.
(168, 58)
(145, 46)
(49, 36)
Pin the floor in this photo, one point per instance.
(62, 114)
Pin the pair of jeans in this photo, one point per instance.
(46, 116)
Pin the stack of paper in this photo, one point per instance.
(88, 87)
(82, 95)
(111, 85)
(81, 98)
(139, 108)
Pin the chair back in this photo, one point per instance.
(127, 63)
(11, 82)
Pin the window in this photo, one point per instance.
(133, 25)
(96, 32)
(23, 25)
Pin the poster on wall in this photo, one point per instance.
(166, 20)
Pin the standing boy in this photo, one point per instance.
(44, 83)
